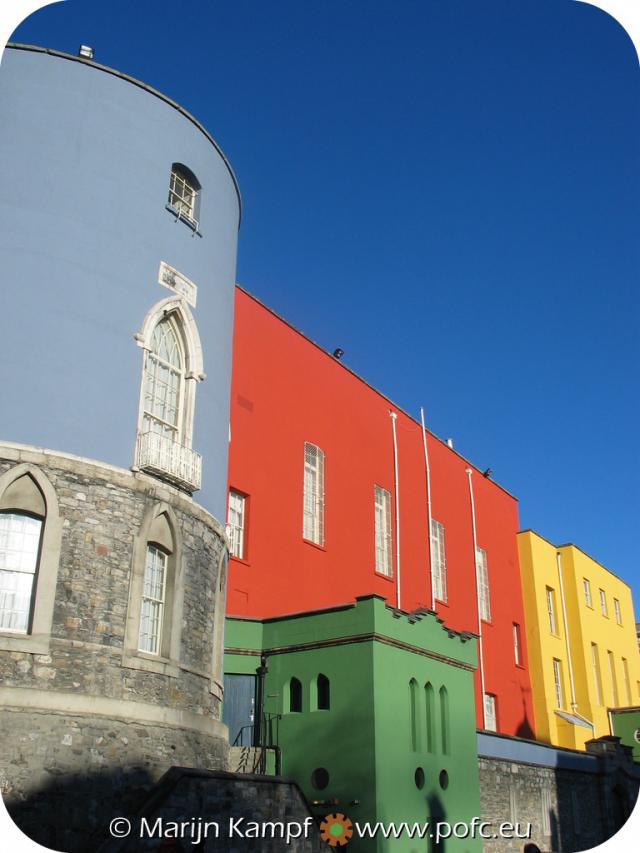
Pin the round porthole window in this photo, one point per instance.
(444, 779)
(636, 735)
(320, 778)
(419, 777)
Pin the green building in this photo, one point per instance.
(625, 724)
(369, 709)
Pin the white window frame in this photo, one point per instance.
(558, 683)
(482, 576)
(382, 530)
(313, 495)
(603, 603)
(153, 599)
(587, 592)
(438, 560)
(20, 537)
(184, 194)
(551, 610)
(617, 611)
(517, 653)
(490, 717)
(236, 521)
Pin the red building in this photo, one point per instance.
(313, 497)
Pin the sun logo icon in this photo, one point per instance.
(336, 830)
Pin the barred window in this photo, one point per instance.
(483, 584)
(313, 498)
(19, 545)
(382, 530)
(438, 560)
(183, 193)
(236, 522)
(153, 600)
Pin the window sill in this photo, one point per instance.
(150, 663)
(314, 544)
(442, 602)
(384, 577)
(239, 560)
(188, 221)
(34, 644)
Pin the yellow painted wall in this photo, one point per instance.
(586, 625)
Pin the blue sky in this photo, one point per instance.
(449, 192)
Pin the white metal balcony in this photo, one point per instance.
(159, 455)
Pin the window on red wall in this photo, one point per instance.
(237, 524)
(517, 645)
(313, 499)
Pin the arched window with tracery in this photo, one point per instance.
(172, 367)
(164, 377)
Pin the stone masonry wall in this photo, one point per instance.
(85, 715)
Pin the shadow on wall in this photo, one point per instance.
(437, 814)
(71, 813)
(525, 729)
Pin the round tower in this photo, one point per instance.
(119, 217)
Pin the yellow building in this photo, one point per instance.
(581, 641)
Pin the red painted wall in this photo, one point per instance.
(285, 391)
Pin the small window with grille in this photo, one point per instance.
(313, 498)
(382, 530)
(184, 194)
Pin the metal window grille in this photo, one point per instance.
(557, 682)
(551, 610)
(382, 509)
(616, 609)
(19, 543)
(603, 602)
(596, 673)
(614, 680)
(438, 560)
(587, 592)
(182, 195)
(516, 644)
(482, 573)
(235, 521)
(153, 600)
(490, 722)
(313, 498)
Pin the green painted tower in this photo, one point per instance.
(371, 711)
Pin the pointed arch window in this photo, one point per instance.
(164, 377)
(30, 532)
(444, 720)
(430, 716)
(172, 367)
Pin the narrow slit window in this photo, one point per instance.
(438, 560)
(490, 720)
(295, 695)
(236, 521)
(483, 584)
(382, 523)
(551, 610)
(313, 498)
(324, 693)
(557, 683)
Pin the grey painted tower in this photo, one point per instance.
(118, 222)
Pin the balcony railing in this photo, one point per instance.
(159, 455)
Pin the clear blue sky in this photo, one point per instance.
(450, 191)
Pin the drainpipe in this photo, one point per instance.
(574, 704)
(426, 465)
(475, 566)
(394, 417)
